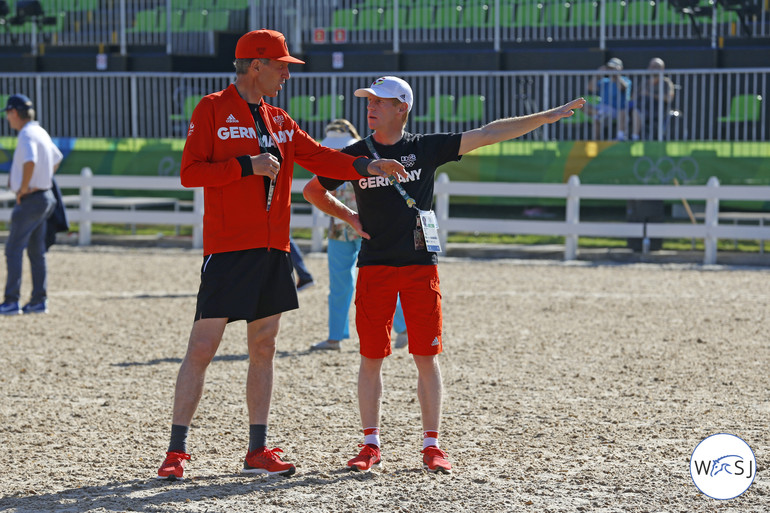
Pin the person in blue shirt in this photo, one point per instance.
(614, 91)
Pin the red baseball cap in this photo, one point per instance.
(264, 44)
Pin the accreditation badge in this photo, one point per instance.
(430, 230)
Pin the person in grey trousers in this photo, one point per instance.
(35, 160)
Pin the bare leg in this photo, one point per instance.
(370, 391)
(204, 340)
(261, 336)
(429, 390)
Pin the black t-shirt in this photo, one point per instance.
(383, 212)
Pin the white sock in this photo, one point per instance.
(429, 438)
(372, 436)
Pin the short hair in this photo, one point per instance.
(344, 126)
(27, 114)
(242, 65)
(398, 102)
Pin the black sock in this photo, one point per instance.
(257, 436)
(178, 438)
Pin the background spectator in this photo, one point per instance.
(614, 92)
(644, 108)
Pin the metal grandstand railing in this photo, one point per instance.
(726, 104)
(188, 26)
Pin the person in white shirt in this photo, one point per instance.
(35, 160)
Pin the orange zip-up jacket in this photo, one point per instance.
(235, 217)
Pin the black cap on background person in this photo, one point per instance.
(18, 102)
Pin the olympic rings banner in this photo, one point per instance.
(595, 162)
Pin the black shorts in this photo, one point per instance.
(246, 285)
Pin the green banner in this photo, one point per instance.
(595, 162)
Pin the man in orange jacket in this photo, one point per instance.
(242, 152)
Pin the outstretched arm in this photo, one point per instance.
(317, 195)
(511, 128)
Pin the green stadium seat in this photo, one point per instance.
(233, 4)
(87, 5)
(370, 19)
(445, 103)
(642, 12)
(615, 13)
(468, 108)
(219, 21)
(198, 20)
(420, 17)
(577, 13)
(376, 4)
(479, 14)
(177, 21)
(151, 20)
(507, 15)
(190, 103)
(744, 107)
(344, 18)
(449, 16)
(310, 108)
(194, 21)
(51, 6)
(530, 15)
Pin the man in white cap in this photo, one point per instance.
(242, 151)
(398, 253)
(35, 160)
(614, 91)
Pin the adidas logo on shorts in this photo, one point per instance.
(435, 342)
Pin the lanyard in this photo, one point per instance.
(271, 188)
(410, 202)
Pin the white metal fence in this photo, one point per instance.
(571, 227)
(188, 26)
(726, 104)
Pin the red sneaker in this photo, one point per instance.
(173, 466)
(368, 457)
(265, 461)
(435, 460)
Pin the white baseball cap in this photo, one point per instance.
(388, 87)
(615, 63)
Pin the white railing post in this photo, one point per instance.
(711, 222)
(396, 27)
(573, 217)
(197, 241)
(86, 194)
(317, 232)
(442, 207)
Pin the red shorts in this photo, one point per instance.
(376, 291)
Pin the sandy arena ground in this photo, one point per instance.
(569, 387)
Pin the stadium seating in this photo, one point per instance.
(150, 20)
(190, 103)
(311, 108)
(465, 108)
(744, 107)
